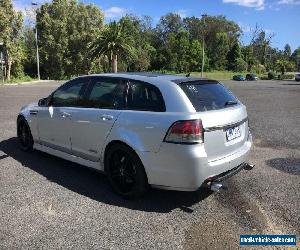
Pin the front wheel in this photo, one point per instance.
(126, 172)
(24, 135)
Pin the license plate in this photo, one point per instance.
(233, 133)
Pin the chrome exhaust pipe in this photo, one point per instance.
(248, 166)
(216, 186)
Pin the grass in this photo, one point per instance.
(19, 80)
(217, 75)
(220, 75)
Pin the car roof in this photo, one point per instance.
(155, 78)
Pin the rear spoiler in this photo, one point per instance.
(194, 80)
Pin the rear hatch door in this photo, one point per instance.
(223, 116)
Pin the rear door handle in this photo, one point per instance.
(106, 117)
(65, 114)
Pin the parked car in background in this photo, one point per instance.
(140, 129)
(238, 78)
(251, 77)
(297, 77)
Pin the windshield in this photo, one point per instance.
(208, 96)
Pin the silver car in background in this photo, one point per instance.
(165, 131)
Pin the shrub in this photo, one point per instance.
(264, 78)
(241, 65)
(286, 77)
(271, 75)
(259, 69)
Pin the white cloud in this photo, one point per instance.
(115, 12)
(290, 2)
(257, 4)
(182, 13)
(244, 27)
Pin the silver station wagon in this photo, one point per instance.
(165, 131)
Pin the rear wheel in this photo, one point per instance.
(24, 135)
(125, 172)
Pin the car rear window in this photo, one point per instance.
(208, 96)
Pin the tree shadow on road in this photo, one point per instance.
(94, 185)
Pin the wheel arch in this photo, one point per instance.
(114, 142)
(20, 116)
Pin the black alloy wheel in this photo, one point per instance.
(126, 172)
(24, 135)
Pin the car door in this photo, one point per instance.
(92, 124)
(144, 116)
(54, 121)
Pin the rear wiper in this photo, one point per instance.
(229, 103)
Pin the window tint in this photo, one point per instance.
(106, 93)
(144, 96)
(208, 96)
(69, 95)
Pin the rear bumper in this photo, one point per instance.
(186, 168)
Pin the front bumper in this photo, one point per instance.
(186, 168)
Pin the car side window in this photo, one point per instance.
(144, 96)
(106, 93)
(69, 95)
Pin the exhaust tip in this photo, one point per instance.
(216, 187)
(248, 166)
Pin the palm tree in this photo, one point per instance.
(113, 43)
(282, 65)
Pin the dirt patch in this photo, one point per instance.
(211, 235)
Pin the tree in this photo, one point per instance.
(283, 65)
(261, 42)
(141, 33)
(219, 24)
(29, 63)
(169, 23)
(234, 57)
(295, 57)
(11, 25)
(248, 56)
(113, 43)
(218, 54)
(182, 46)
(195, 27)
(287, 51)
(195, 55)
(65, 30)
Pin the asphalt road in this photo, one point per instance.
(46, 202)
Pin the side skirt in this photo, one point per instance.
(91, 164)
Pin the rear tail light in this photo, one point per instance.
(185, 132)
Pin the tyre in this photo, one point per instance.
(24, 135)
(125, 172)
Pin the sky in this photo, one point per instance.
(278, 17)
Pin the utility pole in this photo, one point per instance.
(36, 43)
(203, 38)
(2, 73)
(1, 58)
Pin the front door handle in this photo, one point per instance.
(33, 112)
(65, 115)
(106, 117)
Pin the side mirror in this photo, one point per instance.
(43, 102)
